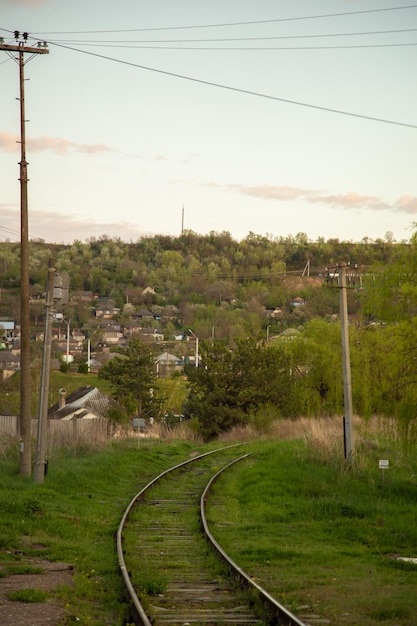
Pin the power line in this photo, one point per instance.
(264, 38)
(248, 48)
(246, 23)
(10, 231)
(237, 89)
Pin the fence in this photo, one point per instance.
(9, 425)
(72, 433)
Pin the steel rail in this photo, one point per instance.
(279, 614)
(139, 612)
(283, 616)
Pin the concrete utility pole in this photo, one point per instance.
(41, 442)
(196, 347)
(347, 382)
(25, 413)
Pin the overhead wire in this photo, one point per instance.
(8, 232)
(238, 89)
(263, 38)
(247, 48)
(244, 23)
(241, 39)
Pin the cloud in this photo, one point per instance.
(271, 192)
(31, 4)
(56, 227)
(348, 201)
(407, 204)
(353, 200)
(8, 142)
(62, 146)
(58, 145)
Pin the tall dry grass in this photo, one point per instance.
(324, 437)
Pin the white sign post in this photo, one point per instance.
(383, 465)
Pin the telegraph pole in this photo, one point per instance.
(25, 413)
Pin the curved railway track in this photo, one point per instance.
(168, 565)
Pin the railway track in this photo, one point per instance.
(169, 558)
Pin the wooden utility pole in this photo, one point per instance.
(347, 381)
(25, 414)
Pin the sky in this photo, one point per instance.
(268, 117)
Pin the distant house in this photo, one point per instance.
(151, 334)
(85, 403)
(9, 363)
(83, 296)
(297, 301)
(71, 345)
(142, 313)
(111, 334)
(7, 329)
(105, 309)
(131, 329)
(167, 363)
(78, 336)
(150, 290)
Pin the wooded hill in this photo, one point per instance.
(240, 292)
(213, 280)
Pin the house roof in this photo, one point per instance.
(90, 399)
(144, 313)
(8, 357)
(166, 357)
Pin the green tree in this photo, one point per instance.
(391, 295)
(132, 375)
(232, 385)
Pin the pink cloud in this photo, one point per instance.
(53, 226)
(58, 145)
(62, 146)
(271, 192)
(31, 4)
(407, 204)
(8, 142)
(351, 200)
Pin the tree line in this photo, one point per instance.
(192, 267)
(213, 281)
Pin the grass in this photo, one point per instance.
(73, 517)
(18, 568)
(28, 595)
(322, 536)
(315, 532)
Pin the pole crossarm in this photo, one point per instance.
(41, 48)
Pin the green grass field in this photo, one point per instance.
(321, 537)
